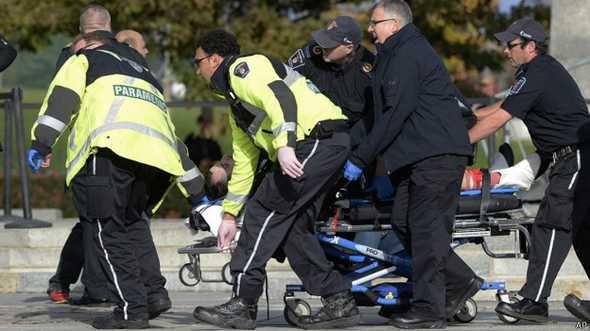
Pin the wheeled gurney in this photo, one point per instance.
(479, 216)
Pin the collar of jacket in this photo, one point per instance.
(105, 34)
(406, 33)
(523, 68)
(220, 79)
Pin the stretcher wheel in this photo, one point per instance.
(468, 312)
(295, 308)
(187, 275)
(226, 274)
(509, 319)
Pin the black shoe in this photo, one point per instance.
(158, 305)
(388, 311)
(412, 320)
(456, 302)
(526, 309)
(114, 321)
(86, 300)
(339, 311)
(237, 313)
(577, 307)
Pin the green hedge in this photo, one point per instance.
(48, 191)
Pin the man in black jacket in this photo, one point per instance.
(424, 144)
(7, 53)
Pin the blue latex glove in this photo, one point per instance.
(204, 200)
(383, 187)
(351, 171)
(34, 160)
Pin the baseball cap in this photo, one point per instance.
(526, 28)
(344, 30)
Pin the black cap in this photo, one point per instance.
(344, 30)
(526, 28)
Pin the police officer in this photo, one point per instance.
(340, 67)
(122, 157)
(275, 109)
(549, 102)
(7, 53)
(424, 144)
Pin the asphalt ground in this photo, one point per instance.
(33, 311)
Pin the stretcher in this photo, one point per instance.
(494, 213)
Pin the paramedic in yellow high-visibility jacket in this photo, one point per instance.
(278, 111)
(122, 157)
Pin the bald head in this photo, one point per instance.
(133, 39)
(93, 18)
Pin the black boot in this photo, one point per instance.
(158, 304)
(526, 309)
(115, 321)
(577, 307)
(87, 300)
(412, 319)
(237, 313)
(339, 311)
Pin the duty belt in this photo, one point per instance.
(325, 129)
(563, 152)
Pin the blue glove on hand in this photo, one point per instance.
(383, 187)
(351, 171)
(34, 159)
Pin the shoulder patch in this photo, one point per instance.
(297, 59)
(517, 86)
(242, 70)
(367, 67)
(316, 50)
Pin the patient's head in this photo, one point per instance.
(217, 178)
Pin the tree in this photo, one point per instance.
(461, 31)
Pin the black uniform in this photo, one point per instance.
(7, 53)
(423, 141)
(549, 102)
(348, 85)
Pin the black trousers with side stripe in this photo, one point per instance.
(552, 231)
(72, 263)
(112, 195)
(282, 213)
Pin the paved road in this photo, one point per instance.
(34, 312)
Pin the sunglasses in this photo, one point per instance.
(511, 46)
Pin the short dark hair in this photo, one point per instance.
(219, 42)
(540, 47)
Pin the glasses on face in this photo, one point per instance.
(510, 46)
(374, 23)
(197, 61)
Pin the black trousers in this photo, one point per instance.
(552, 231)
(282, 213)
(423, 217)
(112, 196)
(581, 212)
(72, 262)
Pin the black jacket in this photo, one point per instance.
(418, 113)
(348, 86)
(7, 54)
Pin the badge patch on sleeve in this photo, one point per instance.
(296, 60)
(242, 70)
(517, 86)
